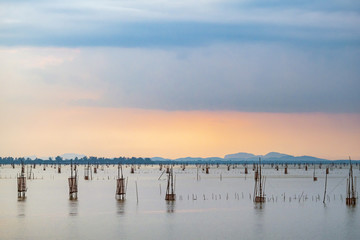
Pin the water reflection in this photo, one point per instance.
(120, 207)
(170, 206)
(259, 210)
(351, 213)
(21, 207)
(73, 207)
(351, 222)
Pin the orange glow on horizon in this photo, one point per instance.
(111, 132)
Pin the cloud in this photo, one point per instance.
(261, 78)
(237, 77)
(272, 56)
(177, 23)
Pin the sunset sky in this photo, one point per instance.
(180, 78)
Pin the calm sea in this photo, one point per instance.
(218, 205)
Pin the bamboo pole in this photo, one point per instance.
(325, 186)
(137, 195)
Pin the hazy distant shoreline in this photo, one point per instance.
(238, 158)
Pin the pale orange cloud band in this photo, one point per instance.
(112, 132)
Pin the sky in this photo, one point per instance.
(180, 78)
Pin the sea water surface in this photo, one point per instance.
(217, 205)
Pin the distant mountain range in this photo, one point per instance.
(272, 156)
(248, 157)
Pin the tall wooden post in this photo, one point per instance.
(326, 173)
(259, 189)
(87, 172)
(350, 189)
(21, 183)
(73, 188)
(170, 189)
(314, 177)
(120, 185)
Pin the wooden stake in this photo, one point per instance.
(137, 196)
(325, 185)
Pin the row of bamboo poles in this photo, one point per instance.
(121, 185)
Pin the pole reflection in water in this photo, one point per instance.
(21, 207)
(352, 223)
(73, 208)
(120, 207)
(259, 210)
(170, 206)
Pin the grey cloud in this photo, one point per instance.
(256, 78)
(140, 24)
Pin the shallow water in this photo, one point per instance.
(218, 206)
